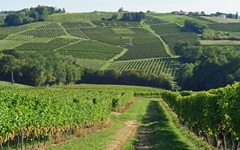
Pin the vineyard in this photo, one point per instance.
(50, 30)
(228, 27)
(79, 17)
(91, 50)
(76, 32)
(41, 114)
(152, 20)
(53, 44)
(77, 25)
(166, 28)
(179, 19)
(103, 23)
(213, 114)
(184, 37)
(91, 63)
(157, 66)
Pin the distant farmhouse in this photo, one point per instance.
(221, 16)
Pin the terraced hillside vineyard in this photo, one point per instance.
(50, 30)
(91, 50)
(157, 66)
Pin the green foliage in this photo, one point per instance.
(133, 16)
(39, 13)
(12, 30)
(212, 66)
(218, 35)
(214, 112)
(43, 112)
(127, 77)
(92, 50)
(9, 44)
(193, 26)
(166, 28)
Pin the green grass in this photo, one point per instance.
(9, 44)
(19, 37)
(98, 141)
(179, 19)
(9, 85)
(221, 20)
(220, 42)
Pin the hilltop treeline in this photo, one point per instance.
(24, 16)
(208, 67)
(36, 69)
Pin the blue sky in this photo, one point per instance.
(228, 6)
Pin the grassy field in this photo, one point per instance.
(220, 42)
(9, 85)
(10, 44)
(221, 20)
(179, 19)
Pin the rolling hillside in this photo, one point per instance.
(100, 43)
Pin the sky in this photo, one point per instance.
(209, 6)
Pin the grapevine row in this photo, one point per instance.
(45, 113)
(214, 113)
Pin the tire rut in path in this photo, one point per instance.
(122, 135)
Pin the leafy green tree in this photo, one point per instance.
(9, 64)
(114, 17)
(236, 16)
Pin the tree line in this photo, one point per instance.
(39, 69)
(24, 16)
(207, 67)
(128, 16)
